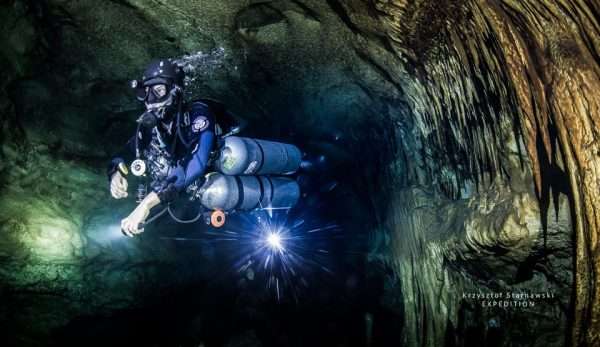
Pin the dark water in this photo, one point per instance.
(333, 300)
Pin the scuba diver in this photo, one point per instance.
(177, 142)
(178, 148)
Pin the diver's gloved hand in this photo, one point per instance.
(133, 224)
(118, 185)
(166, 189)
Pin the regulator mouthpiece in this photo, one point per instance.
(148, 119)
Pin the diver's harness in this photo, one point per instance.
(159, 161)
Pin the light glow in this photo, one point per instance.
(284, 250)
(274, 241)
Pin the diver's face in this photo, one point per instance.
(159, 90)
(158, 97)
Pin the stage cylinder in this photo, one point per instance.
(246, 156)
(223, 192)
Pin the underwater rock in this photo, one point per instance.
(468, 66)
(470, 129)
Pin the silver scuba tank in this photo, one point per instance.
(246, 156)
(222, 192)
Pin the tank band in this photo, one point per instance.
(262, 192)
(240, 187)
(262, 156)
(272, 190)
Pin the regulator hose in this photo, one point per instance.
(175, 218)
(137, 140)
(156, 216)
(185, 221)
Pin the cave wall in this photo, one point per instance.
(474, 65)
(65, 102)
(446, 250)
(482, 109)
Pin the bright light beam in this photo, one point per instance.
(283, 249)
(274, 241)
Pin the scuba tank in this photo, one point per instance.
(246, 156)
(226, 193)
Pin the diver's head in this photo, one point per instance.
(160, 88)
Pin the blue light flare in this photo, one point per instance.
(284, 249)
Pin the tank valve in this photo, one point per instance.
(217, 218)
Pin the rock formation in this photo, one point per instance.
(474, 123)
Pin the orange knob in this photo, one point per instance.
(217, 218)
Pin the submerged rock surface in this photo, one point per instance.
(463, 134)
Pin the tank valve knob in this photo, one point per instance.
(217, 218)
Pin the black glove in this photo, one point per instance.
(166, 190)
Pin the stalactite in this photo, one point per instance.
(532, 63)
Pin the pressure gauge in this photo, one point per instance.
(138, 167)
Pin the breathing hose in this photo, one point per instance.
(175, 218)
(185, 221)
(156, 216)
(137, 140)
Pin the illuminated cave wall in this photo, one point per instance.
(475, 123)
(479, 71)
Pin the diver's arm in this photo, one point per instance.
(117, 169)
(118, 185)
(132, 225)
(196, 167)
(127, 154)
(182, 177)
